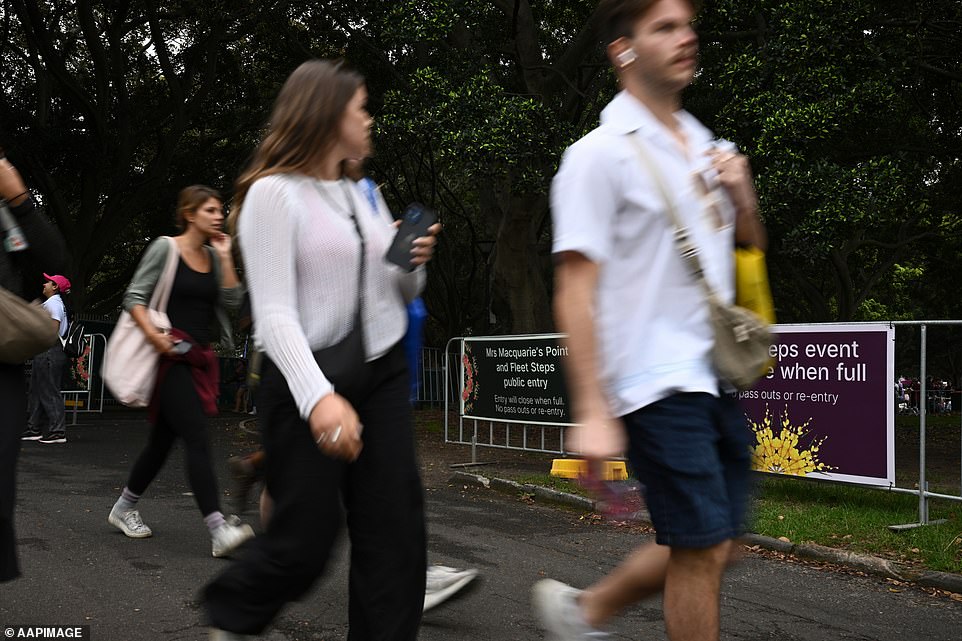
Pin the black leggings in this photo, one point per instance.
(380, 493)
(180, 415)
(13, 401)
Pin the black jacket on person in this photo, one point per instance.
(22, 272)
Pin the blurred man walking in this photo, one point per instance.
(637, 323)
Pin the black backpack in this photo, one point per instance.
(75, 341)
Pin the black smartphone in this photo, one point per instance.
(415, 222)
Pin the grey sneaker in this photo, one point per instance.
(52, 439)
(444, 582)
(227, 537)
(129, 522)
(30, 435)
(557, 606)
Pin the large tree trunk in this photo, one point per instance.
(518, 278)
(518, 288)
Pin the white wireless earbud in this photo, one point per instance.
(626, 57)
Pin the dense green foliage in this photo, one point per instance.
(850, 114)
(849, 111)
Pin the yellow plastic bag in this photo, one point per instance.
(751, 283)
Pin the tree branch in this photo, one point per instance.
(163, 55)
(53, 62)
(574, 56)
(95, 47)
(954, 76)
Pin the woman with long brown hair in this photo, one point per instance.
(205, 285)
(319, 285)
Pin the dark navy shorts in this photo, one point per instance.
(691, 453)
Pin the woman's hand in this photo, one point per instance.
(222, 244)
(335, 427)
(423, 248)
(161, 341)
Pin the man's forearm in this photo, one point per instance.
(574, 315)
(584, 383)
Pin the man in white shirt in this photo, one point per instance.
(637, 324)
(47, 419)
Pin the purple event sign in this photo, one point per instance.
(826, 409)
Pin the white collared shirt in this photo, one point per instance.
(651, 317)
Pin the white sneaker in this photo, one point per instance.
(129, 522)
(227, 537)
(443, 583)
(556, 604)
(223, 635)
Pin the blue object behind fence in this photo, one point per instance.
(417, 312)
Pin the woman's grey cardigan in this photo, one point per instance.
(148, 272)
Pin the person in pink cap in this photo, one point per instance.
(46, 422)
(61, 282)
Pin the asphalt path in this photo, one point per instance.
(78, 570)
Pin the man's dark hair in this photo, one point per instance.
(618, 17)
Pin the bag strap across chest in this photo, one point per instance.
(683, 241)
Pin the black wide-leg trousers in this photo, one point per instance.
(379, 495)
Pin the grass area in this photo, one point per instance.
(937, 421)
(840, 516)
(428, 423)
(553, 482)
(943, 452)
(857, 519)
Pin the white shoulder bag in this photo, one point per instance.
(130, 362)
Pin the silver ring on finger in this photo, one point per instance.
(336, 435)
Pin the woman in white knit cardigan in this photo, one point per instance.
(338, 436)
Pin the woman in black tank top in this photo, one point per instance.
(205, 282)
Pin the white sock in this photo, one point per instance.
(214, 520)
(127, 501)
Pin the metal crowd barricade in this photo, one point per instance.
(87, 368)
(923, 485)
(430, 389)
(550, 439)
(505, 435)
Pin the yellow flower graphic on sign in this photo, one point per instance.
(782, 454)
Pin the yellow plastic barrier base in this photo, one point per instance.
(572, 468)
